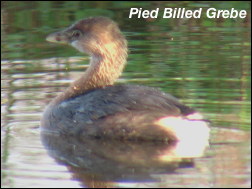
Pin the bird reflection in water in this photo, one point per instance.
(113, 160)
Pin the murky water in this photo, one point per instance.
(206, 65)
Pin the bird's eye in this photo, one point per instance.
(76, 34)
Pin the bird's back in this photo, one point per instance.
(120, 111)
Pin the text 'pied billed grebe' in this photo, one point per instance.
(93, 106)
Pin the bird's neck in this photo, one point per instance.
(106, 65)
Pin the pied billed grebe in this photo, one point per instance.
(93, 106)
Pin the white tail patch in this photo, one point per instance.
(195, 115)
(192, 135)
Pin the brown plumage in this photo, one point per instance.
(93, 106)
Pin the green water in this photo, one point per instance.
(204, 62)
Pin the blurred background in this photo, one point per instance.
(204, 62)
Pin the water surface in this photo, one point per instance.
(204, 62)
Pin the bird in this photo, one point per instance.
(94, 106)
